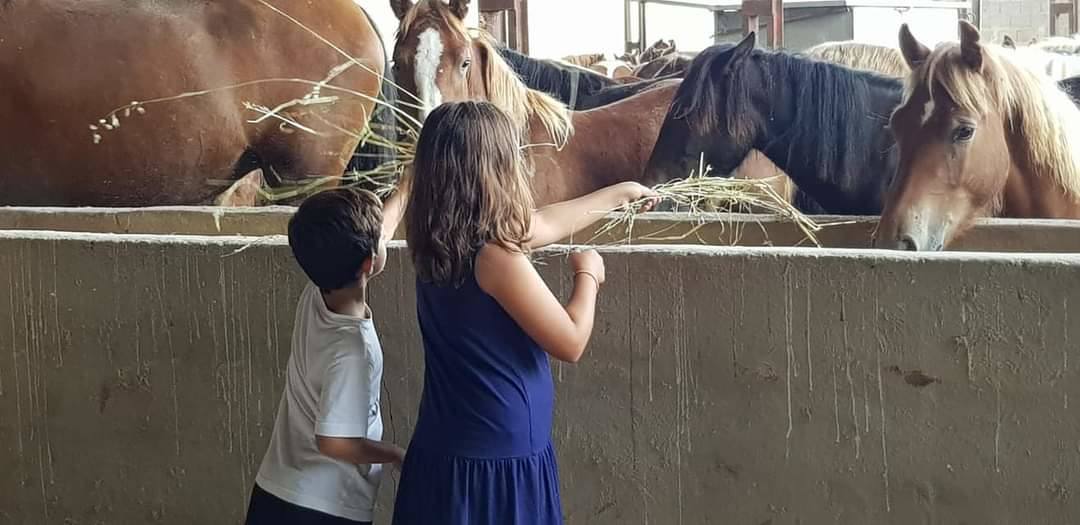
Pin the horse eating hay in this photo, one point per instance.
(822, 124)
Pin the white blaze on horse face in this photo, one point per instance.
(927, 111)
(428, 58)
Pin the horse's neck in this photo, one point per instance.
(846, 170)
(612, 94)
(1029, 195)
(592, 159)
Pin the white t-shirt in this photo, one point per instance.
(331, 389)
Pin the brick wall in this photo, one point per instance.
(1020, 19)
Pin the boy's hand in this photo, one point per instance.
(590, 262)
(400, 459)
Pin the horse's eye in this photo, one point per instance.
(963, 134)
(466, 64)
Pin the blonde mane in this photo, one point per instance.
(1033, 105)
(510, 94)
(504, 88)
(879, 59)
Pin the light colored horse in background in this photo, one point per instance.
(869, 57)
(1055, 58)
(601, 63)
(1064, 45)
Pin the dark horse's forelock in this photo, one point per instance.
(823, 103)
(710, 97)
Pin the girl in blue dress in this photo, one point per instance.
(481, 452)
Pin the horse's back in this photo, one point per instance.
(103, 55)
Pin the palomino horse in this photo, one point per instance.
(824, 125)
(67, 64)
(600, 63)
(1064, 45)
(868, 57)
(979, 135)
(439, 60)
(1055, 65)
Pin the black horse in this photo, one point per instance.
(823, 124)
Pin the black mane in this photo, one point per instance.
(824, 124)
(592, 90)
(555, 79)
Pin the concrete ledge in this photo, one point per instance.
(164, 220)
(139, 376)
(1001, 235)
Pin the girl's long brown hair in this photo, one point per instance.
(469, 187)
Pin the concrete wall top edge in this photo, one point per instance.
(824, 220)
(869, 255)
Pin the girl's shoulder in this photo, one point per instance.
(495, 264)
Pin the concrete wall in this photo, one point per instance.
(139, 377)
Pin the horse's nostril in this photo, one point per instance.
(908, 243)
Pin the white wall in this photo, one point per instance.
(880, 25)
(569, 27)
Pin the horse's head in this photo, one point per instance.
(435, 58)
(951, 134)
(439, 60)
(710, 116)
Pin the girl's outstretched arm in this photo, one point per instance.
(511, 279)
(560, 220)
(394, 209)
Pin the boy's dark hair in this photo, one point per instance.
(333, 233)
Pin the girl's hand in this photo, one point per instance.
(590, 262)
(630, 192)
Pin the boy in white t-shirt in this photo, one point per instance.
(325, 458)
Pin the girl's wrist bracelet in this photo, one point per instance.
(593, 277)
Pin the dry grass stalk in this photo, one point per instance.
(699, 195)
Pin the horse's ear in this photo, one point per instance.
(401, 7)
(742, 49)
(1008, 42)
(914, 52)
(460, 8)
(970, 49)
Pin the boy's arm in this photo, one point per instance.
(342, 425)
(360, 451)
(560, 220)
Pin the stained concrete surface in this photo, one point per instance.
(992, 235)
(139, 377)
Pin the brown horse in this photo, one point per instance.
(978, 135)
(65, 66)
(573, 153)
(439, 60)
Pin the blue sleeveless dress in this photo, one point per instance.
(481, 452)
